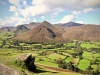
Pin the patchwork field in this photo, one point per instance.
(52, 58)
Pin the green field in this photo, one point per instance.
(89, 45)
(83, 56)
(83, 64)
(9, 56)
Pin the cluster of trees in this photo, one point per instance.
(72, 67)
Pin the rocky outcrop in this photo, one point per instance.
(26, 61)
(5, 70)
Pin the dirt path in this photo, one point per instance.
(52, 68)
(5, 70)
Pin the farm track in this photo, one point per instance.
(52, 68)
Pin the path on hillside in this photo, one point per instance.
(52, 68)
(5, 70)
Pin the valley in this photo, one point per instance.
(54, 50)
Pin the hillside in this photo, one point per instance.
(31, 25)
(20, 29)
(6, 29)
(45, 32)
(69, 24)
(85, 32)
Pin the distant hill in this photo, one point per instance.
(20, 29)
(70, 24)
(45, 32)
(31, 25)
(84, 32)
(6, 29)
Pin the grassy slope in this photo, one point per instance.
(83, 64)
(8, 57)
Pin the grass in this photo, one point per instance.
(47, 63)
(96, 55)
(70, 51)
(89, 45)
(99, 66)
(83, 64)
(8, 57)
(68, 59)
(70, 44)
(94, 67)
(5, 35)
(55, 56)
(87, 55)
(75, 61)
(58, 73)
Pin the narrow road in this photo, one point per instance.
(5, 70)
(52, 68)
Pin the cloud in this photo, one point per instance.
(69, 4)
(34, 20)
(76, 12)
(13, 8)
(81, 22)
(67, 18)
(24, 3)
(14, 20)
(34, 10)
(15, 2)
(43, 7)
(42, 17)
(51, 8)
(88, 10)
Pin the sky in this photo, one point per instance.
(17, 12)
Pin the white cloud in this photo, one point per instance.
(15, 2)
(43, 7)
(88, 10)
(76, 12)
(42, 17)
(24, 3)
(51, 8)
(13, 8)
(14, 20)
(91, 3)
(67, 18)
(34, 20)
(81, 22)
(69, 4)
(34, 10)
(16, 14)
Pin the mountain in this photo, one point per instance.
(20, 29)
(84, 32)
(70, 24)
(6, 29)
(45, 32)
(31, 25)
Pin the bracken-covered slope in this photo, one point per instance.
(6, 29)
(45, 32)
(84, 32)
(31, 25)
(20, 29)
(69, 24)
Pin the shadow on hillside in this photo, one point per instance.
(40, 71)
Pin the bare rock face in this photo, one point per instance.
(5, 70)
(27, 61)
